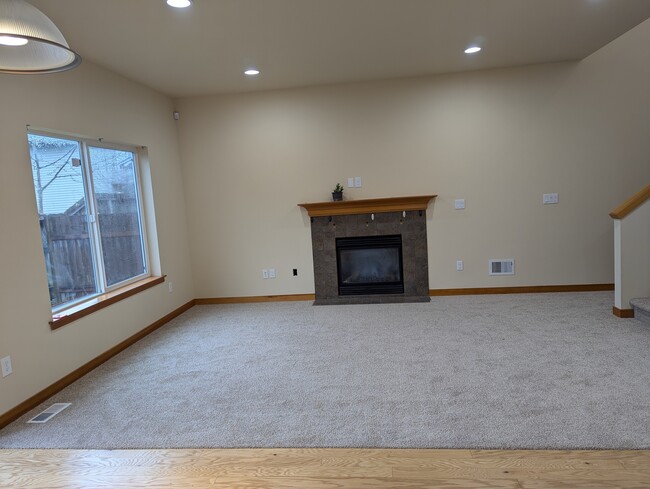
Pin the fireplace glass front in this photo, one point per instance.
(370, 265)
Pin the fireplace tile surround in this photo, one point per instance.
(410, 224)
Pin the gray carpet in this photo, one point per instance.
(515, 371)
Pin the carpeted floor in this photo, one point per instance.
(512, 371)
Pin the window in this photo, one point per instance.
(89, 207)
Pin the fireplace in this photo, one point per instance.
(370, 251)
(370, 265)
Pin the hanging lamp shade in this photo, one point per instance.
(30, 42)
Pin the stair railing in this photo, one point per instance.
(631, 251)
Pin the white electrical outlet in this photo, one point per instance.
(351, 182)
(357, 182)
(265, 273)
(6, 366)
(459, 204)
(459, 265)
(170, 286)
(271, 272)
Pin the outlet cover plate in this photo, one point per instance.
(6, 366)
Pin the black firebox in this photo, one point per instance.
(370, 265)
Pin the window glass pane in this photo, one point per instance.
(118, 213)
(62, 209)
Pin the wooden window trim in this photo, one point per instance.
(105, 300)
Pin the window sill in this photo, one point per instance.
(104, 300)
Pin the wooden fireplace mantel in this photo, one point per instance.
(368, 206)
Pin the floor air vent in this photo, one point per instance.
(49, 413)
(502, 267)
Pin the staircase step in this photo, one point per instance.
(641, 309)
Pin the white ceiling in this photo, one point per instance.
(205, 49)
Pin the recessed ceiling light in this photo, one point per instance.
(12, 41)
(252, 72)
(179, 3)
(472, 50)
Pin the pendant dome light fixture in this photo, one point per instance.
(30, 42)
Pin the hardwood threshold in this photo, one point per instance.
(105, 300)
(310, 468)
(35, 400)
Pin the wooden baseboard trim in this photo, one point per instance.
(530, 289)
(623, 313)
(258, 298)
(35, 400)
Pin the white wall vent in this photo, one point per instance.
(49, 413)
(502, 267)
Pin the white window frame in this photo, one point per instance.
(94, 232)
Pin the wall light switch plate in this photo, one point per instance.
(265, 273)
(357, 182)
(170, 286)
(271, 272)
(6, 366)
(459, 204)
(351, 182)
(459, 265)
(550, 198)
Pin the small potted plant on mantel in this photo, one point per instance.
(337, 193)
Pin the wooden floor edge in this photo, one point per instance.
(252, 299)
(527, 289)
(301, 468)
(25, 406)
(623, 313)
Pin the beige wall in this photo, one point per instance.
(499, 139)
(92, 102)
